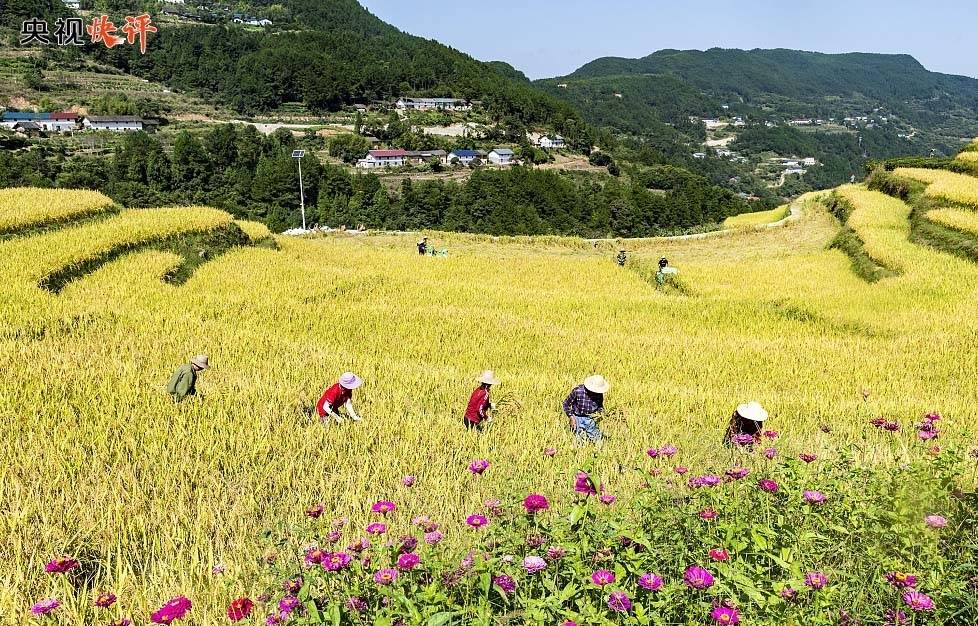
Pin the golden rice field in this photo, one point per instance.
(758, 218)
(958, 188)
(100, 465)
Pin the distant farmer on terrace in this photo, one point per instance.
(339, 396)
(584, 405)
(479, 410)
(183, 383)
(423, 246)
(621, 258)
(745, 424)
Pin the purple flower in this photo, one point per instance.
(385, 576)
(176, 608)
(725, 615)
(359, 546)
(935, 521)
(708, 480)
(409, 480)
(918, 601)
(356, 604)
(534, 564)
(680, 469)
(808, 458)
(668, 450)
(333, 536)
(892, 427)
(602, 577)
(697, 577)
(583, 484)
(273, 619)
(770, 434)
(555, 553)
(743, 439)
(619, 602)
(504, 582)
(707, 514)
(928, 434)
(45, 606)
(335, 561)
(770, 453)
(814, 497)
(383, 507)
(816, 580)
(901, 580)
(293, 585)
(476, 521)
(535, 502)
(122, 621)
(478, 466)
(736, 473)
(607, 498)
(932, 417)
(315, 511)
(895, 618)
(61, 566)
(377, 528)
(652, 452)
(408, 544)
(408, 561)
(288, 604)
(650, 582)
(789, 593)
(105, 599)
(433, 538)
(768, 485)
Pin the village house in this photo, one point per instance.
(699, 155)
(383, 158)
(466, 157)
(28, 128)
(810, 162)
(61, 122)
(433, 104)
(420, 157)
(116, 123)
(551, 143)
(502, 156)
(51, 122)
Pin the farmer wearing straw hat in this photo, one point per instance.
(340, 395)
(183, 383)
(583, 406)
(479, 410)
(746, 420)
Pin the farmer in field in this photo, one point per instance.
(183, 383)
(584, 405)
(479, 410)
(621, 258)
(339, 396)
(746, 422)
(423, 246)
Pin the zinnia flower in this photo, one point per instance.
(650, 582)
(901, 580)
(122, 621)
(789, 593)
(602, 577)
(583, 484)
(504, 582)
(314, 556)
(619, 602)
(425, 523)
(549, 451)
(385, 576)
(770, 453)
(708, 480)
(816, 580)
(607, 499)
(652, 452)
(768, 485)
(743, 439)
(680, 469)
(814, 497)
(315, 511)
(719, 554)
(808, 458)
(376, 528)
(535, 502)
(176, 608)
(895, 618)
(725, 615)
(433, 538)
(918, 601)
(335, 561)
(555, 553)
(288, 604)
(383, 507)
(61, 566)
(240, 609)
(408, 561)
(935, 521)
(478, 466)
(736, 473)
(892, 427)
(932, 417)
(707, 514)
(668, 450)
(293, 585)
(408, 481)
(534, 564)
(476, 521)
(878, 422)
(494, 506)
(105, 599)
(356, 604)
(928, 434)
(45, 606)
(771, 434)
(697, 577)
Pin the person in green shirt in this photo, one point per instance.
(183, 383)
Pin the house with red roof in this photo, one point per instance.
(384, 158)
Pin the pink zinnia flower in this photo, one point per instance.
(707, 514)
(652, 452)
(478, 466)
(122, 621)
(697, 577)
(789, 593)
(408, 481)
(288, 604)
(549, 451)
(668, 450)
(476, 521)
(555, 553)
(679, 469)
(816, 580)
(534, 564)
(736, 473)
(105, 599)
(504, 582)
(719, 554)
(932, 417)
(743, 439)
(895, 618)
(927, 435)
(535, 502)
(607, 499)
(61, 566)
(408, 561)
(315, 511)
(385, 576)
(293, 585)
(770, 453)
(814, 497)
(808, 458)
(619, 602)
(771, 434)
(901, 580)
(935, 521)
(335, 561)
(176, 608)
(768, 485)
(878, 422)
(725, 615)
(708, 480)
(602, 577)
(356, 604)
(314, 556)
(650, 582)
(240, 609)
(45, 606)
(433, 538)
(494, 506)
(383, 507)
(376, 528)
(918, 601)
(583, 484)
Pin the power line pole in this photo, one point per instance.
(297, 155)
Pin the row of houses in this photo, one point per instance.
(67, 121)
(376, 159)
(433, 104)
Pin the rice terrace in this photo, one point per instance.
(278, 349)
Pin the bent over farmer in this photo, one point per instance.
(584, 405)
(479, 410)
(183, 383)
(339, 396)
(745, 424)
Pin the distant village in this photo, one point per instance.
(33, 124)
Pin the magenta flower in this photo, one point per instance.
(928, 434)
(535, 502)
(314, 556)
(555, 553)
(549, 451)
(816, 580)
(383, 507)
(288, 604)
(356, 604)
(707, 514)
(607, 498)
(892, 427)
(569, 623)
(918, 601)
(476, 521)
(478, 466)
(895, 618)
(789, 593)
(770, 453)
(680, 469)
(602, 577)
(122, 621)
(901, 580)
(333, 536)
(725, 615)
(293, 585)
(736, 473)
(534, 564)
(425, 523)
(583, 484)
(176, 608)
(652, 452)
(619, 602)
(315, 511)
(719, 554)
(105, 599)
(813, 497)
(45, 606)
(768, 485)
(504, 582)
(376, 528)
(743, 439)
(335, 561)
(935, 521)
(878, 422)
(494, 506)
(409, 480)
(697, 577)
(808, 458)
(408, 561)
(433, 538)
(61, 566)
(708, 480)
(359, 546)
(668, 450)
(650, 582)
(932, 417)
(385, 576)
(770, 434)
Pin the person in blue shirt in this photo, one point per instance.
(584, 405)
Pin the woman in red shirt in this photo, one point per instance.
(477, 413)
(339, 396)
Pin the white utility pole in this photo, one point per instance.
(297, 155)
